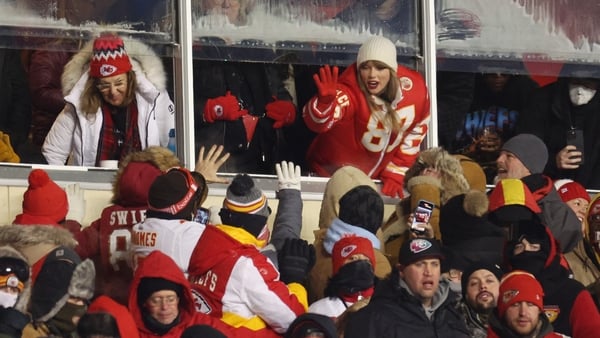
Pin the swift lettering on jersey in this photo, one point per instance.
(126, 217)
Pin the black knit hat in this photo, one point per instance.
(417, 249)
(362, 206)
(202, 331)
(479, 265)
(311, 322)
(175, 193)
(463, 217)
(51, 286)
(150, 285)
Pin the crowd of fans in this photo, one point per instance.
(517, 260)
(508, 262)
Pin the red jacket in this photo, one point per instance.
(122, 315)
(349, 133)
(106, 241)
(159, 265)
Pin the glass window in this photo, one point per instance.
(501, 65)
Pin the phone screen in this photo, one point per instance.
(202, 216)
(422, 214)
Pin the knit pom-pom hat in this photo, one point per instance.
(44, 202)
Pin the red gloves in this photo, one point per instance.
(326, 82)
(392, 187)
(223, 108)
(283, 112)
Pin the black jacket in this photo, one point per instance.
(551, 115)
(254, 85)
(393, 313)
(15, 102)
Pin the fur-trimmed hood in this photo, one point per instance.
(589, 232)
(81, 286)
(143, 59)
(161, 158)
(453, 181)
(23, 300)
(35, 241)
(343, 180)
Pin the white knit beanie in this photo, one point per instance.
(378, 48)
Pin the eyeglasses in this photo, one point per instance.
(105, 87)
(167, 300)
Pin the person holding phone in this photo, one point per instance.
(436, 176)
(565, 116)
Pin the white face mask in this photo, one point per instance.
(8, 300)
(580, 94)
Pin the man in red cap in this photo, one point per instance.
(533, 248)
(353, 279)
(520, 309)
(412, 301)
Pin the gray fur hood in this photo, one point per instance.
(143, 59)
(22, 236)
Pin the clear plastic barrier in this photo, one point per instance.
(540, 33)
(310, 32)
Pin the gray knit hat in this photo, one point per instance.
(245, 206)
(244, 197)
(530, 149)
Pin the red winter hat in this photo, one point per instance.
(125, 321)
(348, 246)
(135, 182)
(570, 190)
(109, 57)
(44, 202)
(519, 286)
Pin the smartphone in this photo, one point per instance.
(575, 138)
(202, 216)
(422, 214)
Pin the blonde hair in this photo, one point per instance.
(388, 95)
(91, 98)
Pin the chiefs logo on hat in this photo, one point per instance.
(508, 295)
(107, 70)
(347, 250)
(419, 245)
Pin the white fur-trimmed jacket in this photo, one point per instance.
(73, 134)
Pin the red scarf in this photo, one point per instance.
(355, 297)
(115, 144)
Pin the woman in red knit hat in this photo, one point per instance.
(117, 103)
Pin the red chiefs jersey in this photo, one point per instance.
(350, 134)
(107, 242)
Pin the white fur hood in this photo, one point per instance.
(142, 57)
